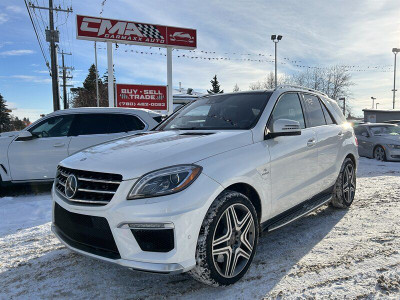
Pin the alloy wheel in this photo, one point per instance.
(349, 183)
(379, 153)
(233, 240)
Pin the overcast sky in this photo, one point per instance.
(315, 33)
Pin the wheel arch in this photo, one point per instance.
(250, 192)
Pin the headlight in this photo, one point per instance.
(165, 181)
(394, 146)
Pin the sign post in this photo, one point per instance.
(135, 33)
(169, 82)
(110, 72)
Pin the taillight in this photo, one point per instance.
(356, 140)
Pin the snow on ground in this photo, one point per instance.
(328, 254)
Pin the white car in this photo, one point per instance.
(34, 153)
(194, 194)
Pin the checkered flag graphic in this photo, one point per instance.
(150, 31)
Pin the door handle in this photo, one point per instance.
(59, 145)
(311, 142)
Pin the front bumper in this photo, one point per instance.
(185, 210)
(392, 154)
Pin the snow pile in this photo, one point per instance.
(328, 254)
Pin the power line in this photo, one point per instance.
(37, 36)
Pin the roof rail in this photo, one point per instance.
(299, 87)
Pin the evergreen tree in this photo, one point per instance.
(216, 89)
(236, 88)
(86, 96)
(5, 120)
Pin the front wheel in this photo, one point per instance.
(345, 186)
(227, 241)
(379, 153)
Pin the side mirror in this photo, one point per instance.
(365, 134)
(284, 127)
(25, 135)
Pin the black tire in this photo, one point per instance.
(210, 266)
(345, 186)
(379, 153)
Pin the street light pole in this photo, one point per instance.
(395, 51)
(97, 75)
(276, 39)
(344, 105)
(373, 100)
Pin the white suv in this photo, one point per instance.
(33, 154)
(194, 194)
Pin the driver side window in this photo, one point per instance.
(288, 107)
(53, 127)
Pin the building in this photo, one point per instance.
(381, 115)
(183, 96)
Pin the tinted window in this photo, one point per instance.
(53, 127)
(132, 123)
(359, 130)
(116, 123)
(315, 116)
(327, 115)
(91, 124)
(222, 111)
(288, 107)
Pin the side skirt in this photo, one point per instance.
(298, 211)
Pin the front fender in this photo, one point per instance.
(249, 164)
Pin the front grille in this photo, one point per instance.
(154, 240)
(92, 187)
(87, 233)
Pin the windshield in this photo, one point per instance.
(229, 111)
(385, 130)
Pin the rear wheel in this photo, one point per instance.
(379, 153)
(227, 240)
(345, 186)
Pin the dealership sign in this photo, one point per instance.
(142, 96)
(129, 32)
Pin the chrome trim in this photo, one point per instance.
(131, 225)
(96, 191)
(89, 201)
(98, 180)
(169, 268)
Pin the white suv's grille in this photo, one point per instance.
(86, 187)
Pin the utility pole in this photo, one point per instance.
(52, 36)
(344, 105)
(65, 77)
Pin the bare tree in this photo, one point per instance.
(269, 82)
(334, 81)
(236, 88)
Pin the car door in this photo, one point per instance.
(37, 159)
(365, 145)
(330, 137)
(92, 129)
(294, 159)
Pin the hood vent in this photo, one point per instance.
(197, 133)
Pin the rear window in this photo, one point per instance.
(315, 115)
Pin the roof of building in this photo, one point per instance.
(382, 110)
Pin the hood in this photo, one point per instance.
(136, 155)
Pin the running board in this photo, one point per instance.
(296, 213)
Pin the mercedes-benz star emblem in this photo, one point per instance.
(71, 186)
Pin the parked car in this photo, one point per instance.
(34, 153)
(195, 193)
(379, 140)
